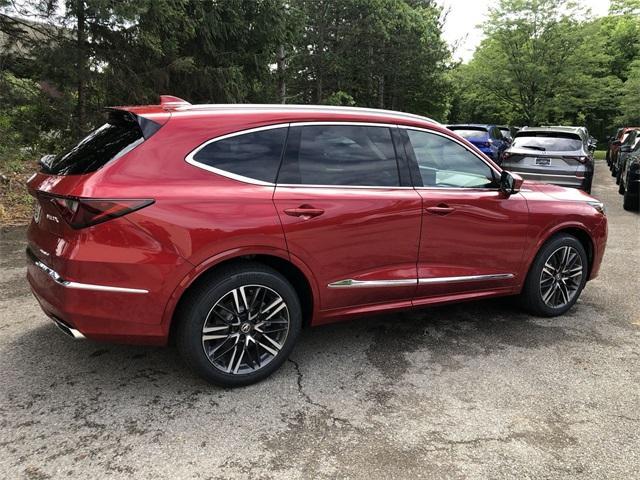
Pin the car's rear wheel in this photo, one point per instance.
(631, 202)
(238, 325)
(556, 277)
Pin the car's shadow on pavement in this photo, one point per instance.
(45, 357)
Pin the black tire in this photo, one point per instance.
(198, 305)
(631, 203)
(614, 171)
(532, 294)
(621, 188)
(618, 175)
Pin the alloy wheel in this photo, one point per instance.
(561, 277)
(245, 329)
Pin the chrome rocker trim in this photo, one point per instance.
(467, 278)
(77, 285)
(350, 283)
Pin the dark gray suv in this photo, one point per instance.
(558, 155)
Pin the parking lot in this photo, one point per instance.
(477, 390)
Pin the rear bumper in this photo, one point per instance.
(558, 179)
(98, 312)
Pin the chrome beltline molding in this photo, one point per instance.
(350, 283)
(83, 286)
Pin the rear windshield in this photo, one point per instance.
(118, 136)
(551, 141)
(471, 133)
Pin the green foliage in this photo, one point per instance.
(549, 62)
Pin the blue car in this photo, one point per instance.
(487, 138)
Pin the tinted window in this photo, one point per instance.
(340, 155)
(254, 155)
(445, 163)
(112, 140)
(548, 141)
(472, 133)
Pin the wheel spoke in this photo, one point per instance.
(564, 292)
(245, 329)
(549, 293)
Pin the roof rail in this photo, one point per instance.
(317, 108)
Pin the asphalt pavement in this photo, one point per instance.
(473, 391)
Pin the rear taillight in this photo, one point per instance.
(579, 159)
(85, 212)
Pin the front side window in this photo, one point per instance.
(447, 164)
(341, 155)
(254, 155)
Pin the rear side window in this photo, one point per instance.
(253, 155)
(341, 155)
(118, 136)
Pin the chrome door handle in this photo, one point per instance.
(304, 211)
(440, 210)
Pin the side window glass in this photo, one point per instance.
(341, 155)
(447, 164)
(255, 155)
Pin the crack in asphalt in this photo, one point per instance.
(310, 401)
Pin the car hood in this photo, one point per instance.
(557, 192)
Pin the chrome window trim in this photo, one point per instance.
(351, 283)
(433, 132)
(241, 178)
(55, 276)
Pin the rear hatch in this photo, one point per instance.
(554, 153)
(63, 206)
(479, 136)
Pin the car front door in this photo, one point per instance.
(473, 235)
(348, 214)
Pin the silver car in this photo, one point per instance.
(558, 155)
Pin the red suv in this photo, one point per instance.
(227, 228)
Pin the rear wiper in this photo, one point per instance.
(533, 147)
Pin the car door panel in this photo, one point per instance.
(473, 235)
(364, 235)
(346, 214)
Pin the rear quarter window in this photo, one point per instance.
(253, 155)
(118, 136)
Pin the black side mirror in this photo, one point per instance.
(616, 142)
(510, 183)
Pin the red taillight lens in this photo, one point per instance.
(579, 159)
(85, 212)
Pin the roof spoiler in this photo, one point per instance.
(169, 101)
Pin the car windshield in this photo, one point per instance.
(551, 141)
(505, 132)
(471, 133)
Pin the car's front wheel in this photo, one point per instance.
(556, 277)
(238, 325)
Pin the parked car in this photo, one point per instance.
(610, 144)
(615, 148)
(626, 148)
(630, 184)
(227, 228)
(487, 138)
(558, 155)
(506, 134)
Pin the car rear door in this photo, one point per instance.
(473, 236)
(349, 213)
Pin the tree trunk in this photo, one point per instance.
(282, 82)
(81, 69)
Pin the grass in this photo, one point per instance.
(600, 155)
